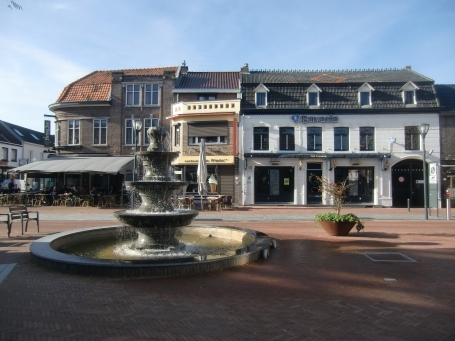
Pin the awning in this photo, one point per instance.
(110, 165)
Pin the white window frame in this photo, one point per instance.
(154, 89)
(129, 129)
(313, 89)
(261, 89)
(196, 140)
(409, 86)
(74, 132)
(101, 128)
(133, 89)
(148, 123)
(365, 88)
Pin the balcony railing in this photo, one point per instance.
(206, 107)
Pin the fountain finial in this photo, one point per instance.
(156, 136)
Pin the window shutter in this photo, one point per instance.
(203, 129)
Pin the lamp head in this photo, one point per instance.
(138, 124)
(423, 128)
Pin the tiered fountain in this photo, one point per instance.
(161, 242)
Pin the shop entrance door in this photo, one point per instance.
(313, 196)
(273, 185)
(407, 183)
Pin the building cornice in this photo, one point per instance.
(62, 105)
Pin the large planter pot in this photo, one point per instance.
(337, 229)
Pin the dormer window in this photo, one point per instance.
(365, 96)
(409, 93)
(312, 96)
(261, 96)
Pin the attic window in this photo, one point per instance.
(409, 93)
(18, 132)
(312, 96)
(34, 137)
(260, 94)
(365, 95)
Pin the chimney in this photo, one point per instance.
(245, 68)
(407, 67)
(184, 68)
(117, 76)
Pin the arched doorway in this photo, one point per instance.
(407, 183)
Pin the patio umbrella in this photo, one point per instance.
(202, 171)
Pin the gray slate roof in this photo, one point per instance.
(335, 77)
(20, 134)
(446, 95)
(209, 80)
(287, 90)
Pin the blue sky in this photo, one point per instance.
(51, 43)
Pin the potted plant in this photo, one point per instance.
(335, 223)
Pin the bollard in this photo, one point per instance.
(448, 203)
(409, 206)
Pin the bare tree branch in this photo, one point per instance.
(12, 4)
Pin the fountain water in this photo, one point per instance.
(157, 229)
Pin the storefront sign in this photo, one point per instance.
(316, 119)
(211, 160)
(433, 176)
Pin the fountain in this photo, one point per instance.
(160, 233)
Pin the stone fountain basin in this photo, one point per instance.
(152, 220)
(44, 253)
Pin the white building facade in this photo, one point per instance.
(366, 131)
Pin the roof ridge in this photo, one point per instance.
(332, 71)
(419, 74)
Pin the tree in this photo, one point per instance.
(12, 4)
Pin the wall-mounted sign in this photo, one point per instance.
(315, 119)
(286, 181)
(211, 160)
(433, 176)
(401, 179)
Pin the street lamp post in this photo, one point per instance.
(137, 128)
(423, 130)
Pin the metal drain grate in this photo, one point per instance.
(388, 257)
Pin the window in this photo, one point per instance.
(133, 92)
(260, 99)
(312, 95)
(129, 131)
(287, 141)
(177, 135)
(366, 138)
(151, 94)
(409, 97)
(207, 97)
(313, 98)
(30, 156)
(409, 93)
(261, 138)
(314, 138)
(365, 94)
(73, 132)
(260, 94)
(4, 154)
(13, 154)
(411, 138)
(364, 98)
(148, 123)
(100, 131)
(341, 138)
(214, 132)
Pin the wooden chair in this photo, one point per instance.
(23, 214)
(56, 201)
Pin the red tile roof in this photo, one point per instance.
(96, 86)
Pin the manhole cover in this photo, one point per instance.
(388, 257)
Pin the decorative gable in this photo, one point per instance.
(312, 96)
(408, 92)
(365, 95)
(260, 95)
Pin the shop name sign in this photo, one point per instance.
(210, 160)
(315, 119)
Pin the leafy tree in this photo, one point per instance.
(12, 4)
